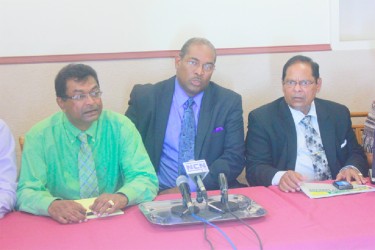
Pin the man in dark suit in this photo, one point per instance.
(278, 143)
(157, 110)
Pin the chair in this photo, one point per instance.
(21, 140)
(358, 131)
(358, 128)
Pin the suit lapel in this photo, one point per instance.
(163, 104)
(205, 116)
(327, 132)
(287, 124)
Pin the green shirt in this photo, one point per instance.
(50, 162)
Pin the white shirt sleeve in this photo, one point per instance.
(8, 170)
(277, 177)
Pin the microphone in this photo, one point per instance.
(188, 206)
(183, 186)
(223, 188)
(201, 191)
(197, 170)
(224, 205)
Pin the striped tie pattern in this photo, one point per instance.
(87, 172)
(315, 146)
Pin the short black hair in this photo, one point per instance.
(303, 59)
(77, 71)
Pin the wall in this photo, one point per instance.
(45, 27)
(27, 90)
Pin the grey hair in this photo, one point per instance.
(196, 40)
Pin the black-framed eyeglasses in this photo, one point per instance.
(302, 83)
(80, 97)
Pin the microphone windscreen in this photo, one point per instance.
(181, 179)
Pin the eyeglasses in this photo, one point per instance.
(80, 97)
(207, 67)
(302, 83)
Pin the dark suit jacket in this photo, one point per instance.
(271, 141)
(149, 108)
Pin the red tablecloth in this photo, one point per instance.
(293, 221)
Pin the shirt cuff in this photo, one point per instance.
(277, 177)
(44, 205)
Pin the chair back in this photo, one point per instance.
(21, 140)
(358, 127)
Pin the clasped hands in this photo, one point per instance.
(69, 211)
(291, 180)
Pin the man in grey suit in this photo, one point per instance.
(157, 111)
(280, 145)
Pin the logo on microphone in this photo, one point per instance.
(194, 168)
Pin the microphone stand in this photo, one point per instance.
(224, 205)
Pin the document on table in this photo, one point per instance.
(321, 190)
(86, 203)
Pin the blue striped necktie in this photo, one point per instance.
(187, 136)
(315, 146)
(87, 172)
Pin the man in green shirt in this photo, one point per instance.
(58, 166)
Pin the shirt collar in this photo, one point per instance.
(73, 132)
(181, 97)
(298, 115)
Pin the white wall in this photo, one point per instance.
(45, 27)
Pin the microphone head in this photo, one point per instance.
(224, 170)
(181, 179)
(222, 176)
(223, 181)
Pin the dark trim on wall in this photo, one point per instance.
(158, 54)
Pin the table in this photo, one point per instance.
(293, 221)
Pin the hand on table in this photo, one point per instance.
(108, 203)
(67, 211)
(350, 174)
(290, 181)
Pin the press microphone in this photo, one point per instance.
(201, 191)
(183, 186)
(223, 188)
(224, 205)
(197, 170)
(188, 206)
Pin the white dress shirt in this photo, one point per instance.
(303, 162)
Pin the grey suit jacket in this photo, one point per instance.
(220, 135)
(271, 141)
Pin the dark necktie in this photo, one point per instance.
(315, 146)
(87, 172)
(187, 136)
